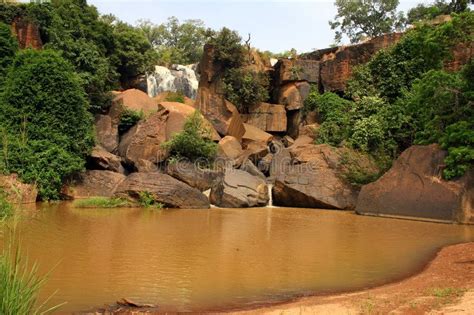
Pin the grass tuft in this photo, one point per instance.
(102, 202)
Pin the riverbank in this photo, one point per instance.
(445, 286)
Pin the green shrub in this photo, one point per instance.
(44, 112)
(245, 88)
(228, 50)
(194, 142)
(175, 97)
(128, 119)
(459, 141)
(102, 202)
(146, 200)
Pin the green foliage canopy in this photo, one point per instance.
(47, 130)
(369, 18)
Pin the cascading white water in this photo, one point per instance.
(270, 195)
(178, 78)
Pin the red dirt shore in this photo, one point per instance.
(445, 286)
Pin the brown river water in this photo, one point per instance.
(191, 260)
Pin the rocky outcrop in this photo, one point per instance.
(289, 70)
(106, 132)
(178, 113)
(144, 140)
(132, 99)
(312, 176)
(229, 147)
(222, 114)
(254, 134)
(239, 189)
(413, 188)
(336, 67)
(267, 117)
(17, 192)
(165, 96)
(27, 33)
(210, 99)
(461, 54)
(177, 78)
(193, 175)
(163, 189)
(101, 159)
(293, 95)
(93, 183)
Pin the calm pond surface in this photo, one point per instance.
(213, 259)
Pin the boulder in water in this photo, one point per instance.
(239, 189)
(413, 187)
(163, 189)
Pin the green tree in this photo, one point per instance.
(177, 42)
(228, 50)
(133, 54)
(47, 129)
(366, 18)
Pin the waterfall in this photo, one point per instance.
(177, 78)
(270, 195)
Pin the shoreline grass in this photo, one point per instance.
(102, 202)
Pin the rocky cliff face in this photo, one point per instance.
(177, 78)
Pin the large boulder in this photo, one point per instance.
(131, 99)
(93, 183)
(144, 140)
(293, 95)
(193, 175)
(107, 132)
(254, 134)
(413, 188)
(229, 147)
(239, 189)
(16, 191)
(100, 159)
(178, 113)
(313, 176)
(163, 189)
(288, 70)
(222, 114)
(267, 117)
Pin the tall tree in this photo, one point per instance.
(358, 19)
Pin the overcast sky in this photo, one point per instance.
(275, 25)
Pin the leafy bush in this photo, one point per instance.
(459, 141)
(228, 50)
(245, 88)
(194, 142)
(44, 112)
(175, 97)
(128, 119)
